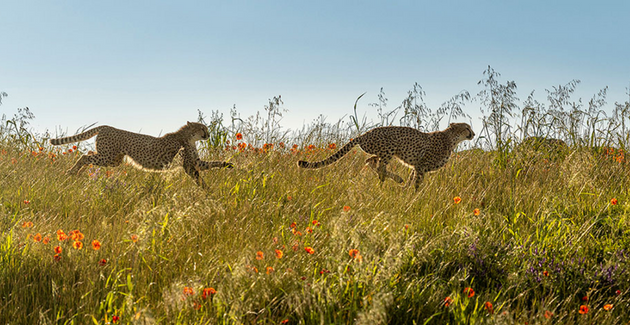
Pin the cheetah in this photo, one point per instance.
(424, 152)
(146, 152)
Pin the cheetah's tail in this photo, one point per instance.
(76, 138)
(336, 156)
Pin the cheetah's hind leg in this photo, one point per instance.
(95, 159)
(373, 161)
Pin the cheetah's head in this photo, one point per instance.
(198, 131)
(463, 131)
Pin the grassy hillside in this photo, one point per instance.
(536, 238)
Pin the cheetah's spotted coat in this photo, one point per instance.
(424, 152)
(148, 152)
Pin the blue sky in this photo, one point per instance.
(150, 65)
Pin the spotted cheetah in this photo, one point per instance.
(424, 152)
(146, 152)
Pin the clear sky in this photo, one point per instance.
(150, 65)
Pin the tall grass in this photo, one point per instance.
(537, 233)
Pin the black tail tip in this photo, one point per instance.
(302, 163)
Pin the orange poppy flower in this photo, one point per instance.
(295, 247)
(57, 257)
(608, 307)
(27, 224)
(96, 245)
(188, 291)
(76, 235)
(457, 199)
(548, 314)
(354, 253)
(46, 240)
(315, 223)
(614, 201)
(37, 237)
(469, 292)
(260, 255)
(545, 273)
(583, 309)
(286, 321)
(488, 306)
(476, 212)
(74, 147)
(239, 136)
(295, 146)
(447, 301)
(585, 298)
(279, 253)
(346, 208)
(69, 150)
(58, 249)
(207, 292)
(309, 250)
(27, 202)
(293, 225)
(311, 147)
(269, 269)
(115, 319)
(62, 236)
(134, 238)
(77, 245)
(332, 146)
(281, 145)
(309, 230)
(102, 262)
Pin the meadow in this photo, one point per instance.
(503, 234)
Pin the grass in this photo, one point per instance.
(547, 240)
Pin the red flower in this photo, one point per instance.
(447, 301)
(583, 309)
(585, 298)
(58, 249)
(57, 257)
(284, 321)
(96, 245)
(548, 314)
(115, 319)
(332, 146)
(608, 307)
(488, 306)
(269, 269)
(27, 224)
(457, 199)
(188, 291)
(346, 208)
(37, 237)
(77, 245)
(309, 250)
(239, 136)
(279, 253)
(293, 225)
(545, 273)
(315, 223)
(207, 292)
(102, 262)
(354, 253)
(469, 292)
(260, 255)
(618, 292)
(614, 201)
(476, 212)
